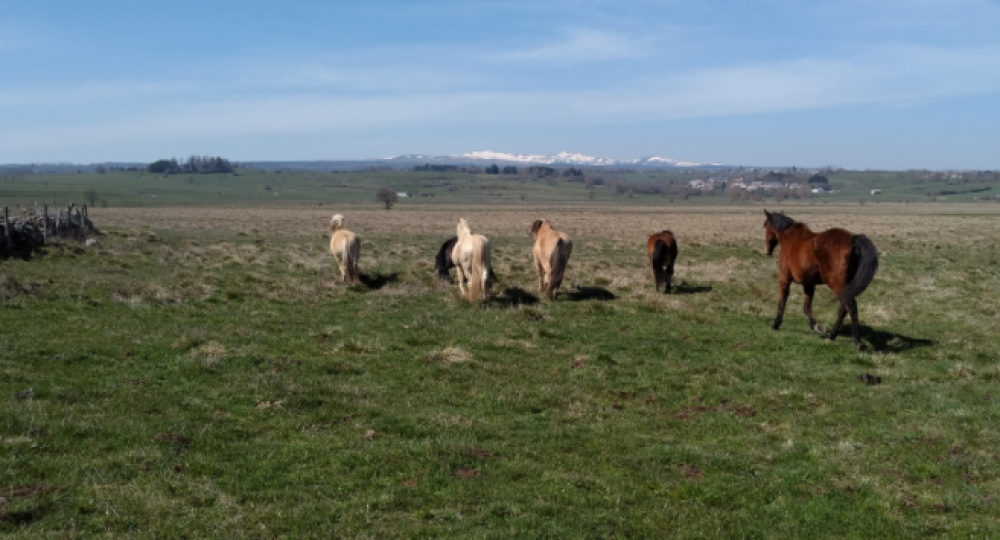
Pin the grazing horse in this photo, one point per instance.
(552, 250)
(346, 247)
(843, 261)
(471, 256)
(443, 262)
(662, 250)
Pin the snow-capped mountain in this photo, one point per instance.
(559, 158)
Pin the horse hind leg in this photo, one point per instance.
(841, 312)
(807, 307)
(460, 274)
(855, 330)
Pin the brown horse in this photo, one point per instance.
(662, 250)
(552, 250)
(843, 261)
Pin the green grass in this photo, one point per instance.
(249, 187)
(194, 385)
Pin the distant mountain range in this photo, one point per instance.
(481, 158)
(559, 158)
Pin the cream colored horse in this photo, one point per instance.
(552, 250)
(471, 256)
(346, 247)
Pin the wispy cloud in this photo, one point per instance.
(580, 46)
(898, 75)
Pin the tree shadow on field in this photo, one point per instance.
(378, 280)
(590, 293)
(882, 341)
(515, 296)
(687, 288)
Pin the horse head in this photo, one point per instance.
(336, 222)
(770, 235)
(463, 227)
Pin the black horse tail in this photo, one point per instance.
(443, 262)
(557, 262)
(864, 262)
(659, 254)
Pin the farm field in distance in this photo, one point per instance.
(255, 187)
(201, 372)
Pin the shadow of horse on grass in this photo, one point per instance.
(590, 293)
(687, 288)
(377, 280)
(882, 341)
(513, 297)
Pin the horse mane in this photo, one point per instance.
(463, 227)
(336, 222)
(537, 226)
(780, 222)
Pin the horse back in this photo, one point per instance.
(832, 251)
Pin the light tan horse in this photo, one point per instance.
(552, 250)
(346, 247)
(471, 256)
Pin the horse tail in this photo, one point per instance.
(479, 269)
(864, 259)
(352, 253)
(557, 263)
(659, 253)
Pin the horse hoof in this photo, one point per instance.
(862, 347)
(819, 329)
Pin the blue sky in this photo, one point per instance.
(863, 84)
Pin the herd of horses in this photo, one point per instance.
(837, 258)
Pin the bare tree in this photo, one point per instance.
(387, 197)
(90, 195)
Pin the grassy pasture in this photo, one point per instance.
(201, 372)
(251, 187)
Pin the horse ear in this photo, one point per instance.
(766, 213)
(535, 226)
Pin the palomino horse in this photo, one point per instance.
(844, 261)
(443, 262)
(552, 250)
(471, 256)
(662, 250)
(346, 247)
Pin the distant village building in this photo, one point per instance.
(403, 194)
(876, 192)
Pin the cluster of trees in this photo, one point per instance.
(193, 165)
(427, 167)
(13, 173)
(494, 169)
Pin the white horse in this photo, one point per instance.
(471, 256)
(346, 247)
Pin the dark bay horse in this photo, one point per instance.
(443, 263)
(662, 250)
(844, 261)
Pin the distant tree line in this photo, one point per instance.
(193, 165)
(494, 169)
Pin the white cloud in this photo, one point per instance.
(893, 75)
(580, 46)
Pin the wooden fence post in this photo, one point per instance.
(45, 223)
